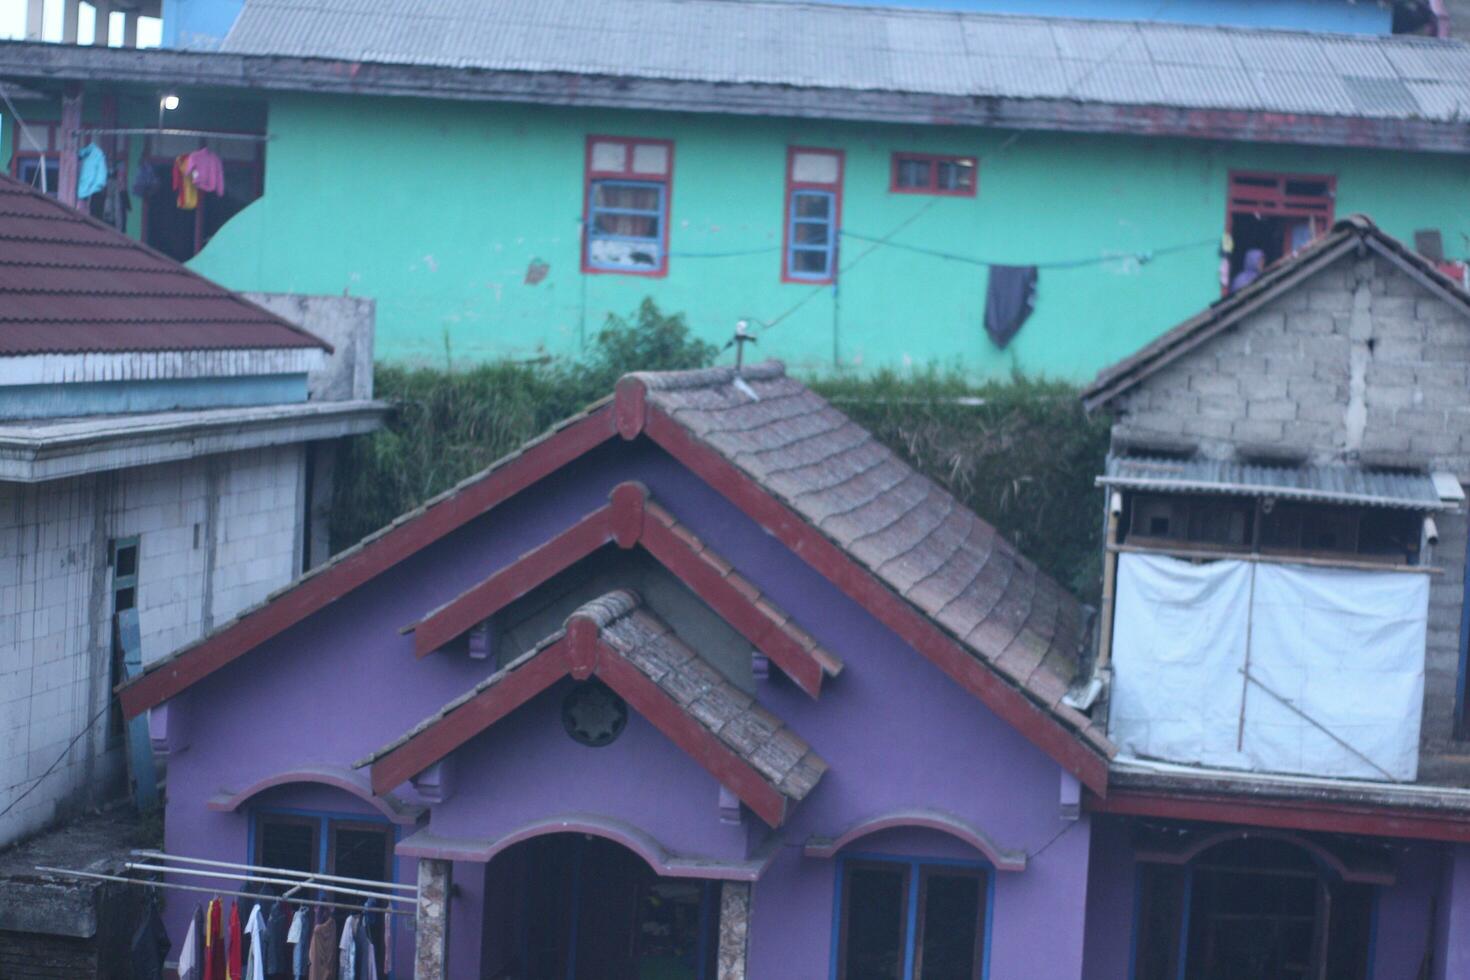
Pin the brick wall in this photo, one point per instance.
(1359, 362)
(216, 535)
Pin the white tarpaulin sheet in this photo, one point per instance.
(1335, 660)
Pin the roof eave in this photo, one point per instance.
(39, 63)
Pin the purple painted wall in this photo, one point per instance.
(1404, 913)
(897, 733)
(526, 768)
(1452, 942)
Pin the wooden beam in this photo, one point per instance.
(71, 121)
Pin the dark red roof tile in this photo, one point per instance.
(69, 284)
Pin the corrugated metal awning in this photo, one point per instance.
(1320, 484)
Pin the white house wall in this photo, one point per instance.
(216, 535)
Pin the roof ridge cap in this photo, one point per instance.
(710, 377)
(607, 608)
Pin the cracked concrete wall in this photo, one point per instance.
(1359, 363)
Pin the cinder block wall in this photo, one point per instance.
(1358, 363)
(216, 535)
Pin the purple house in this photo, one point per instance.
(704, 683)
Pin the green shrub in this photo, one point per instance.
(1020, 452)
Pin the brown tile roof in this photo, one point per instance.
(624, 626)
(69, 284)
(1346, 236)
(912, 534)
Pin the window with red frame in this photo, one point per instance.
(1277, 214)
(813, 215)
(627, 210)
(925, 173)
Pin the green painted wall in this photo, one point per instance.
(436, 209)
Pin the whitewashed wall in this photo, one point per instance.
(216, 535)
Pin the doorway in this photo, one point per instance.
(577, 907)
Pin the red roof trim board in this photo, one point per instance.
(1065, 747)
(401, 539)
(1312, 815)
(582, 651)
(632, 519)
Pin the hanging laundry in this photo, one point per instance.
(191, 959)
(188, 194)
(214, 942)
(235, 951)
(323, 961)
(150, 944)
(300, 938)
(277, 951)
(347, 962)
(207, 171)
(146, 180)
(1010, 297)
(255, 959)
(116, 204)
(91, 171)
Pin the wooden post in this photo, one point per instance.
(71, 121)
(431, 923)
(35, 19)
(734, 930)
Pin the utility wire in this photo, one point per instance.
(26, 132)
(64, 752)
(1144, 256)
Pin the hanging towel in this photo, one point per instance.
(214, 943)
(189, 952)
(188, 194)
(324, 951)
(207, 171)
(1009, 299)
(91, 171)
(235, 951)
(150, 945)
(300, 938)
(255, 962)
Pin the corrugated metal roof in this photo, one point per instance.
(878, 49)
(1320, 484)
(69, 284)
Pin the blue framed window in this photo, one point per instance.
(813, 217)
(627, 206)
(813, 237)
(311, 841)
(911, 919)
(625, 221)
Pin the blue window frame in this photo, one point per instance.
(323, 842)
(812, 236)
(626, 216)
(625, 225)
(901, 918)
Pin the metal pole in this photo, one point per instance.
(307, 875)
(67, 872)
(227, 876)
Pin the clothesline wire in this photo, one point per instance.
(1143, 255)
(161, 131)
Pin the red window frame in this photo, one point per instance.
(589, 175)
(933, 159)
(792, 186)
